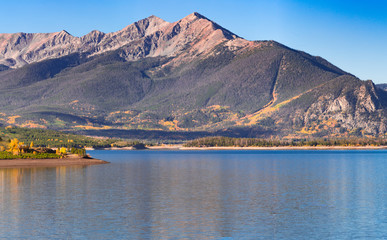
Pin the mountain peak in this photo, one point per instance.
(155, 18)
(146, 26)
(97, 32)
(64, 32)
(94, 33)
(198, 15)
(94, 36)
(195, 16)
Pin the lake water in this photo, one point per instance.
(201, 195)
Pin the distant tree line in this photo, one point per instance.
(57, 139)
(256, 142)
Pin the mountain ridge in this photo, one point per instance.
(189, 75)
(19, 49)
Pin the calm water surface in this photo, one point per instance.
(201, 195)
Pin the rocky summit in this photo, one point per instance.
(150, 37)
(182, 79)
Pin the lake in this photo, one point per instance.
(232, 194)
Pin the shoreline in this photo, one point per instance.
(181, 147)
(56, 162)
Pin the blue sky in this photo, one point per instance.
(350, 34)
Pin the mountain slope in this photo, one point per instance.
(191, 75)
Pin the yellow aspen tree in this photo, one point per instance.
(63, 150)
(14, 146)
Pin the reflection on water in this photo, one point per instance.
(201, 195)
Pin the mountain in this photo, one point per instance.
(188, 76)
(150, 37)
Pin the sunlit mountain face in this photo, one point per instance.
(188, 76)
